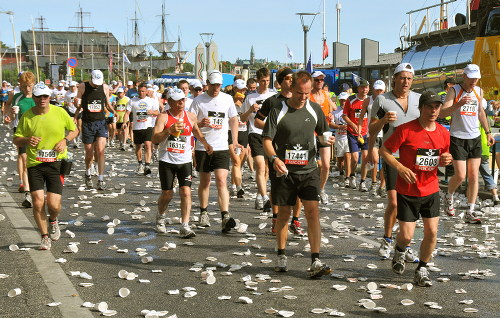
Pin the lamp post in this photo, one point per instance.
(206, 38)
(92, 53)
(306, 29)
(1, 55)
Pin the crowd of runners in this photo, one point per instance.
(387, 143)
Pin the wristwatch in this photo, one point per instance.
(273, 157)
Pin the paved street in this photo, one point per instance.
(242, 262)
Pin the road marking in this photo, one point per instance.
(60, 287)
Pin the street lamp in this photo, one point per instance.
(92, 53)
(206, 38)
(306, 29)
(1, 55)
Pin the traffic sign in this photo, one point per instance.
(72, 62)
(72, 71)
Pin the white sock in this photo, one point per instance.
(471, 207)
(495, 198)
(259, 197)
(89, 171)
(238, 188)
(185, 224)
(449, 196)
(101, 177)
(265, 197)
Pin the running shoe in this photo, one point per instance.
(186, 232)
(382, 192)
(259, 204)
(374, 188)
(155, 155)
(411, 256)
(362, 186)
(21, 188)
(385, 248)
(101, 185)
(45, 244)
(240, 193)
(281, 264)
(319, 269)
(147, 171)
(227, 223)
(54, 230)
(296, 229)
(472, 218)
(398, 262)
(273, 226)
(266, 207)
(160, 224)
(450, 209)
(93, 170)
(232, 190)
(421, 277)
(27, 202)
(353, 182)
(204, 219)
(88, 181)
(323, 197)
(140, 169)
(347, 184)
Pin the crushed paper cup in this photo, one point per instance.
(123, 292)
(13, 247)
(242, 228)
(146, 259)
(102, 306)
(14, 292)
(122, 274)
(111, 230)
(245, 300)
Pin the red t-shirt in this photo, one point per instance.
(352, 109)
(419, 150)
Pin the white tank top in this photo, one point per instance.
(177, 150)
(465, 120)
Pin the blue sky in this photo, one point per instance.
(267, 25)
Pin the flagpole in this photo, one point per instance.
(324, 30)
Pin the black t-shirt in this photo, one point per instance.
(268, 104)
(94, 101)
(293, 134)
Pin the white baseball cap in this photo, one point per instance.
(215, 77)
(41, 89)
(60, 84)
(239, 84)
(196, 83)
(472, 71)
(343, 96)
(120, 90)
(379, 84)
(114, 82)
(130, 83)
(317, 74)
(404, 67)
(97, 77)
(176, 94)
(73, 83)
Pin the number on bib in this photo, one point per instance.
(46, 155)
(427, 159)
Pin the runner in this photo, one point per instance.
(42, 130)
(289, 142)
(423, 144)
(250, 107)
(93, 102)
(143, 108)
(341, 145)
(375, 142)
(58, 94)
(238, 155)
(357, 139)
(15, 107)
(121, 109)
(321, 97)
(463, 104)
(173, 131)
(215, 113)
(390, 110)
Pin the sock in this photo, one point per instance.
(26, 192)
(449, 196)
(281, 251)
(341, 173)
(203, 210)
(101, 177)
(238, 188)
(259, 197)
(471, 207)
(223, 213)
(495, 198)
(275, 216)
(89, 172)
(400, 249)
(45, 235)
(139, 162)
(265, 197)
(314, 256)
(388, 239)
(147, 164)
(352, 175)
(421, 264)
(294, 218)
(52, 221)
(362, 180)
(185, 224)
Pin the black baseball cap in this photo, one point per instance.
(428, 97)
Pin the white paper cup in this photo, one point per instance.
(13, 247)
(147, 259)
(327, 134)
(102, 306)
(15, 109)
(210, 279)
(123, 292)
(116, 222)
(205, 274)
(122, 274)
(242, 228)
(14, 292)
(130, 276)
(111, 230)
(237, 151)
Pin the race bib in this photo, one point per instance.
(427, 159)
(176, 144)
(216, 119)
(297, 155)
(469, 109)
(357, 113)
(95, 106)
(121, 108)
(44, 155)
(141, 117)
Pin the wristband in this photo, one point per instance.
(487, 132)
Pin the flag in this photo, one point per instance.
(309, 66)
(325, 50)
(125, 59)
(474, 5)
(289, 53)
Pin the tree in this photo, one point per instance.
(3, 45)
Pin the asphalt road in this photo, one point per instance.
(236, 257)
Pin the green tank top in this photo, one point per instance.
(24, 103)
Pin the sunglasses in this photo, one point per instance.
(319, 80)
(198, 89)
(42, 96)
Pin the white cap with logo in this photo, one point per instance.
(342, 96)
(472, 71)
(120, 90)
(317, 74)
(404, 67)
(214, 77)
(176, 94)
(239, 84)
(379, 84)
(196, 83)
(130, 83)
(97, 77)
(41, 89)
